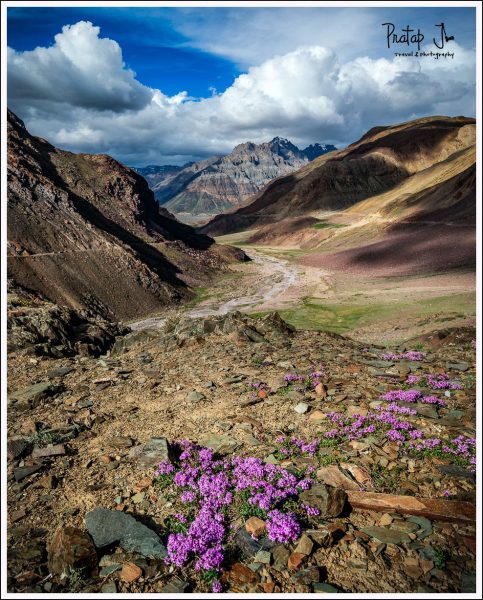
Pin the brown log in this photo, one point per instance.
(435, 509)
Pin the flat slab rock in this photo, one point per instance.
(332, 475)
(433, 508)
(109, 526)
(175, 586)
(35, 393)
(150, 454)
(222, 444)
(22, 472)
(456, 471)
(50, 450)
(387, 536)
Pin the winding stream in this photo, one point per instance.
(276, 276)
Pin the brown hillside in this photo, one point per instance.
(379, 161)
(85, 231)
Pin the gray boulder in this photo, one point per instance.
(107, 527)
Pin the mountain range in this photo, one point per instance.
(222, 183)
(154, 174)
(84, 231)
(401, 198)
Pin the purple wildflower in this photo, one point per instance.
(409, 355)
(282, 527)
(164, 468)
(187, 496)
(395, 436)
(312, 511)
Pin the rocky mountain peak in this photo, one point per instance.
(285, 148)
(282, 142)
(224, 183)
(315, 150)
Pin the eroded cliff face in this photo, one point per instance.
(220, 184)
(85, 231)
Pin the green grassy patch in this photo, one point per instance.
(325, 224)
(201, 294)
(315, 314)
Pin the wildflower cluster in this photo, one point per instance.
(282, 527)
(306, 382)
(442, 382)
(461, 449)
(411, 396)
(212, 491)
(294, 446)
(357, 426)
(435, 382)
(409, 355)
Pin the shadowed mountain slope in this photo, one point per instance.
(86, 231)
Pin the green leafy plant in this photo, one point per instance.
(76, 579)
(209, 575)
(441, 555)
(328, 459)
(164, 481)
(175, 525)
(329, 442)
(44, 438)
(385, 480)
(247, 510)
(285, 391)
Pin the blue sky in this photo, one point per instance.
(160, 55)
(242, 61)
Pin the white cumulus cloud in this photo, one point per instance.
(80, 96)
(80, 69)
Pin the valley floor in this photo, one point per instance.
(366, 307)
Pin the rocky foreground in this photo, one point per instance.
(377, 504)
